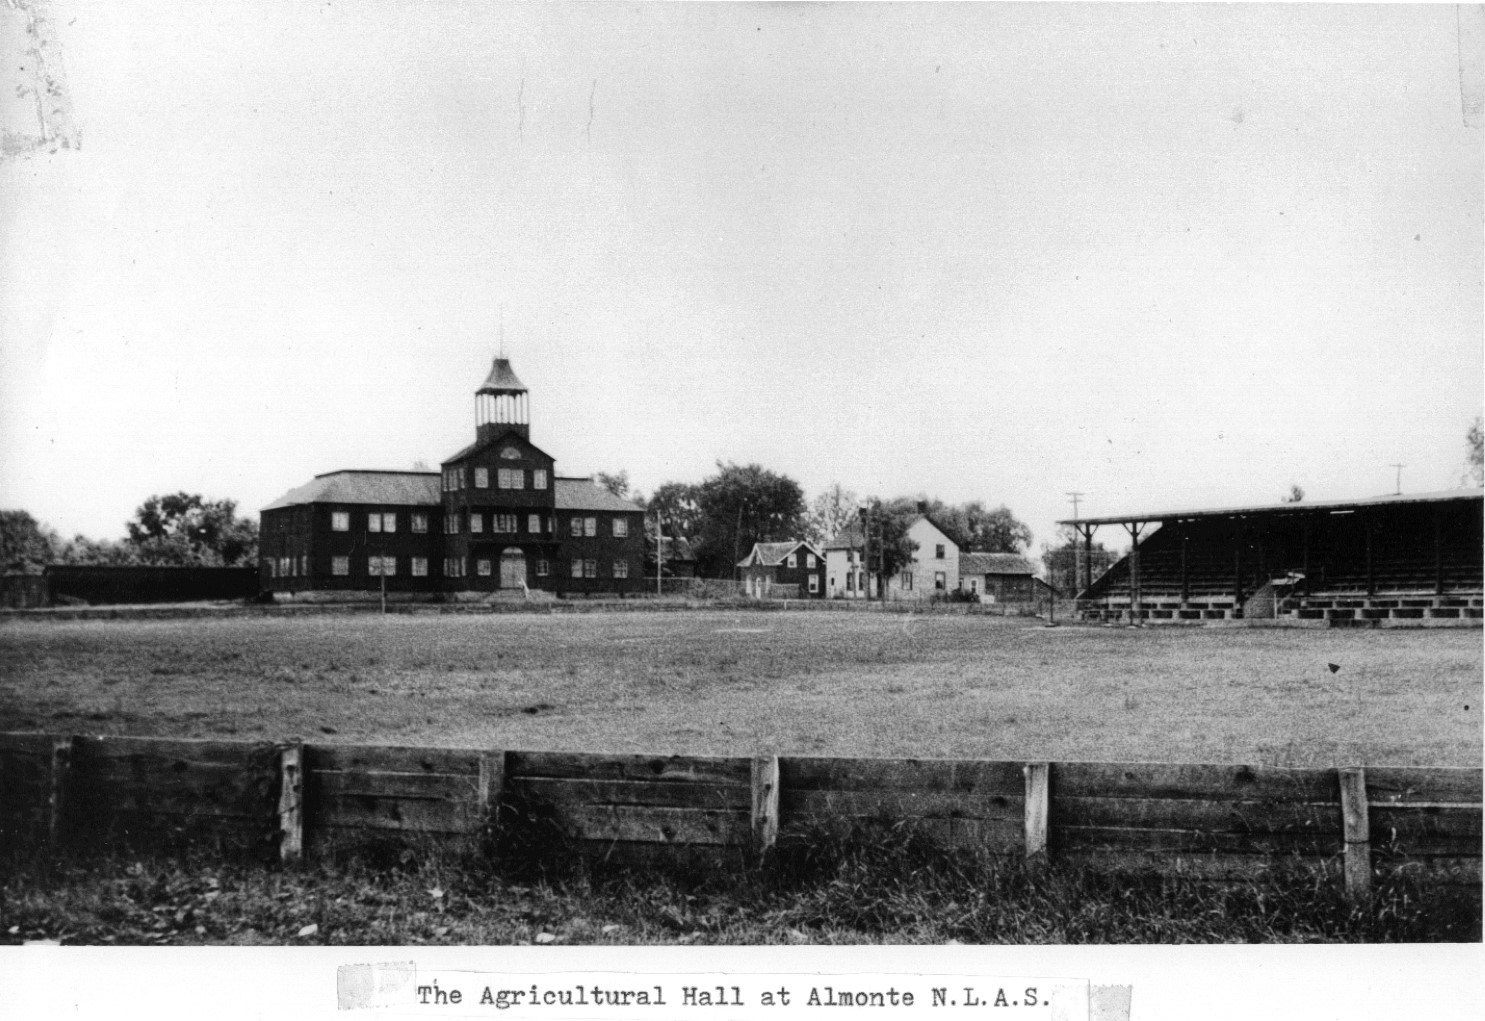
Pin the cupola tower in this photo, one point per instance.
(501, 404)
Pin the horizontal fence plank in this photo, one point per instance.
(391, 759)
(1188, 814)
(954, 775)
(1195, 841)
(1193, 782)
(330, 784)
(548, 790)
(1404, 785)
(396, 814)
(653, 824)
(1401, 821)
(584, 766)
(1443, 870)
(152, 753)
(997, 836)
(902, 805)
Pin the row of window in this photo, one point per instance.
(453, 567)
(378, 521)
(792, 560)
(500, 523)
(505, 478)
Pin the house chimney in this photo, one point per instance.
(922, 506)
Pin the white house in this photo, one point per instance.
(935, 565)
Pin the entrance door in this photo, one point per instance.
(512, 568)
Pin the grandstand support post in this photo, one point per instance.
(1238, 533)
(1185, 573)
(1438, 552)
(1369, 528)
(1133, 528)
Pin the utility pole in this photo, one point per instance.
(1399, 467)
(1075, 497)
(659, 554)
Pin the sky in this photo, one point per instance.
(1161, 255)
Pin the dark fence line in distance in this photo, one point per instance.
(288, 799)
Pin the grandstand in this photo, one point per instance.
(1403, 557)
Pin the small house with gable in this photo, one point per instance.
(773, 568)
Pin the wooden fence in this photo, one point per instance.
(288, 799)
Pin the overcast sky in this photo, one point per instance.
(1163, 255)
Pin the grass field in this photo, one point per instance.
(738, 682)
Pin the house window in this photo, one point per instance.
(511, 478)
(621, 528)
(539, 478)
(533, 524)
(420, 522)
(381, 567)
(543, 568)
(476, 522)
(814, 584)
(907, 580)
(590, 527)
(938, 551)
(453, 567)
(590, 567)
(809, 559)
(792, 560)
(484, 568)
(621, 568)
(373, 522)
(482, 478)
(503, 523)
(939, 581)
(577, 528)
(272, 566)
(304, 565)
(340, 521)
(420, 567)
(577, 568)
(389, 522)
(340, 566)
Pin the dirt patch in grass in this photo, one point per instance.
(731, 682)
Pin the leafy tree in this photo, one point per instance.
(616, 482)
(891, 548)
(741, 505)
(106, 552)
(1474, 446)
(1295, 495)
(676, 504)
(1068, 563)
(25, 544)
(976, 529)
(831, 513)
(185, 529)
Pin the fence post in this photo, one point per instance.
(765, 803)
(491, 785)
(291, 802)
(61, 766)
(1357, 834)
(1037, 790)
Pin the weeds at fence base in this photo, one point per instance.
(871, 883)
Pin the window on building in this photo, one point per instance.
(420, 522)
(907, 580)
(272, 564)
(389, 522)
(451, 523)
(938, 551)
(381, 567)
(539, 478)
(484, 568)
(512, 478)
(814, 584)
(590, 568)
(482, 478)
(792, 560)
(809, 559)
(476, 522)
(590, 527)
(340, 521)
(621, 568)
(420, 567)
(373, 522)
(621, 528)
(304, 564)
(940, 581)
(533, 524)
(340, 566)
(543, 568)
(577, 568)
(503, 523)
(577, 528)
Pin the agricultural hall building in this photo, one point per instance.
(497, 517)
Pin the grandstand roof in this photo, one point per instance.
(1332, 506)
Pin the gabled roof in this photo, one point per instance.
(582, 494)
(479, 445)
(994, 563)
(849, 538)
(772, 554)
(502, 379)
(365, 487)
